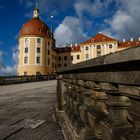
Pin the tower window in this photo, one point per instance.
(25, 60)
(26, 50)
(38, 60)
(38, 40)
(38, 50)
(26, 41)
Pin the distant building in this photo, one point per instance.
(39, 56)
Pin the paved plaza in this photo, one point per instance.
(26, 112)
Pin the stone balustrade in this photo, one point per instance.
(99, 99)
(5, 80)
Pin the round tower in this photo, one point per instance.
(35, 46)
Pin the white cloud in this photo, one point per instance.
(93, 8)
(125, 22)
(70, 31)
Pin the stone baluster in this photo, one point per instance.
(116, 127)
(133, 92)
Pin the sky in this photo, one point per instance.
(74, 21)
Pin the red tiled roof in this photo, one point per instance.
(68, 49)
(36, 27)
(75, 48)
(128, 44)
(99, 38)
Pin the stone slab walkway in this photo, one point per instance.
(26, 112)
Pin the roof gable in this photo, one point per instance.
(99, 38)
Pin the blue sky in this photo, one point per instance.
(74, 22)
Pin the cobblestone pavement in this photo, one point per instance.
(26, 112)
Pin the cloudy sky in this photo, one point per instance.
(74, 22)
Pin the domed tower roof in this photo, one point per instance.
(35, 26)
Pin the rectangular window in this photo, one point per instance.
(65, 65)
(38, 40)
(25, 73)
(98, 47)
(49, 43)
(25, 60)
(38, 60)
(98, 53)
(110, 46)
(71, 57)
(59, 58)
(59, 65)
(48, 52)
(26, 50)
(78, 56)
(38, 50)
(87, 56)
(65, 58)
(86, 48)
(53, 65)
(48, 61)
(26, 41)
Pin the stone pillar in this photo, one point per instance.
(60, 99)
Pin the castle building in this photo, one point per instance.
(36, 46)
(39, 56)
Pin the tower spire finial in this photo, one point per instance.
(36, 11)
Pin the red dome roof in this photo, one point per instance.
(35, 27)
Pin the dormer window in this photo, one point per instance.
(103, 39)
(27, 30)
(38, 30)
(92, 40)
(137, 43)
(128, 44)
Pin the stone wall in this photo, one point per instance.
(100, 99)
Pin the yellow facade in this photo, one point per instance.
(34, 58)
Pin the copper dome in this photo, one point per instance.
(35, 27)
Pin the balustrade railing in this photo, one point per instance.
(4, 80)
(99, 99)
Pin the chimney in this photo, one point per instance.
(132, 39)
(76, 44)
(139, 39)
(123, 39)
